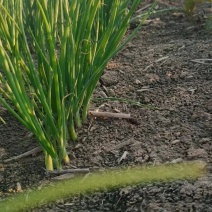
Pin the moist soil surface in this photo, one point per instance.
(158, 69)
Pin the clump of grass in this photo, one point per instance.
(52, 54)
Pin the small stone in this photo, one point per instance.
(178, 14)
(197, 153)
(139, 159)
(2, 152)
(1, 167)
(203, 182)
(146, 100)
(18, 187)
(198, 194)
(175, 141)
(128, 54)
(164, 120)
(153, 78)
(109, 78)
(205, 140)
(188, 189)
(177, 160)
(201, 115)
(125, 190)
(137, 82)
(209, 105)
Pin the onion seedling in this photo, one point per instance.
(52, 54)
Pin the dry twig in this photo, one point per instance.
(31, 152)
(68, 171)
(202, 61)
(110, 115)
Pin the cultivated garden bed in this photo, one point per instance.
(167, 69)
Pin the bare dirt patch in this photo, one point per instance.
(159, 69)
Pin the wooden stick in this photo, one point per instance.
(31, 152)
(144, 8)
(202, 61)
(63, 177)
(67, 171)
(110, 115)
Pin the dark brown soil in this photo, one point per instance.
(155, 69)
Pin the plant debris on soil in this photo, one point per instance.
(167, 68)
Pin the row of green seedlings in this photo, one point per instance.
(52, 54)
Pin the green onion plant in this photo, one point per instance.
(52, 54)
